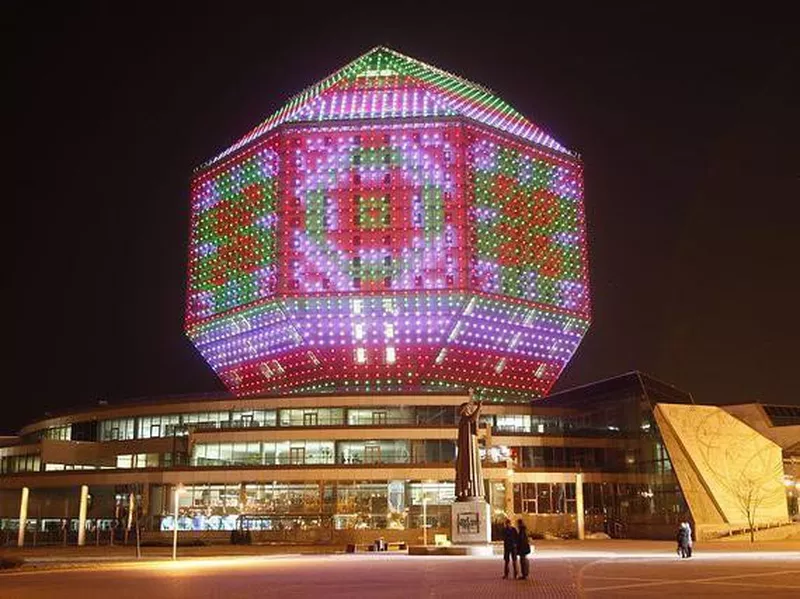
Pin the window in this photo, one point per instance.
(125, 461)
(310, 419)
(391, 357)
(372, 454)
(379, 418)
(297, 455)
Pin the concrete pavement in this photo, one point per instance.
(583, 570)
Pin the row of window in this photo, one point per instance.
(146, 427)
(168, 425)
(277, 505)
(430, 451)
(301, 452)
(615, 500)
(20, 463)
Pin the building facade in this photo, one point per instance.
(344, 468)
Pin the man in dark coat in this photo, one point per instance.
(510, 540)
(524, 548)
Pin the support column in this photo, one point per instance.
(131, 507)
(509, 494)
(579, 505)
(23, 516)
(82, 515)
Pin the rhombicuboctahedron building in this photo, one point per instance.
(392, 228)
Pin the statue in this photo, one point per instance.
(469, 477)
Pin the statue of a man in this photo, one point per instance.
(469, 477)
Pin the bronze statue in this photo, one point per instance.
(469, 477)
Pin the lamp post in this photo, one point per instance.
(425, 520)
(176, 492)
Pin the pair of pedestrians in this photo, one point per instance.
(516, 545)
(685, 540)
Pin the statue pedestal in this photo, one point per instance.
(471, 522)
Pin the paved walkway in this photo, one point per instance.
(583, 570)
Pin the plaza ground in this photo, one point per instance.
(590, 569)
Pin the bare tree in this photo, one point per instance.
(753, 487)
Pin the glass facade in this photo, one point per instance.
(298, 453)
(120, 429)
(168, 425)
(544, 498)
(20, 463)
(606, 431)
(395, 504)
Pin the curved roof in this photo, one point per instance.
(386, 84)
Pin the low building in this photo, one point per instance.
(345, 468)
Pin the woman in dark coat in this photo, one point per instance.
(524, 548)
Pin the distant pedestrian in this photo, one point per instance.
(510, 549)
(684, 540)
(524, 548)
(689, 543)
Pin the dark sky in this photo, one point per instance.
(686, 122)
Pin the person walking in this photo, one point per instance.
(524, 549)
(510, 550)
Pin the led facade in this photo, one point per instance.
(392, 228)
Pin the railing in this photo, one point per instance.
(313, 460)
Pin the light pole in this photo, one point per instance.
(425, 520)
(176, 492)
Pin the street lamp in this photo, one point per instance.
(425, 520)
(176, 492)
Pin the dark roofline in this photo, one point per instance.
(633, 377)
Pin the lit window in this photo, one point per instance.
(125, 461)
(361, 355)
(359, 331)
(389, 330)
(391, 357)
(358, 305)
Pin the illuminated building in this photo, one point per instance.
(389, 239)
(392, 228)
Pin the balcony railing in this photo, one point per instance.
(318, 459)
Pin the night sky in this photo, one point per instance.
(686, 122)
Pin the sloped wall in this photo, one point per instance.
(720, 462)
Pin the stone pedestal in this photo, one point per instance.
(471, 522)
